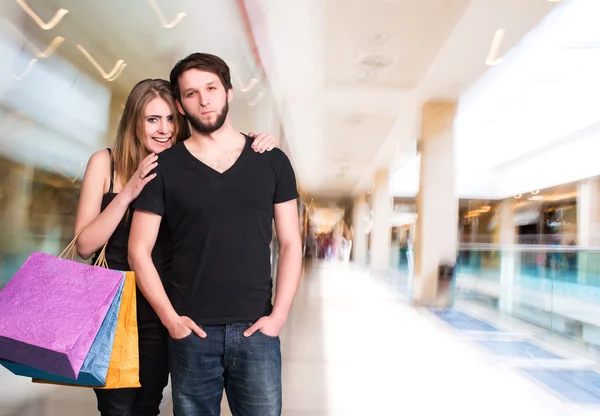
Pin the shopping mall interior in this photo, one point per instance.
(446, 157)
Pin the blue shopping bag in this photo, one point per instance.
(95, 366)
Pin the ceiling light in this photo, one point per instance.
(493, 53)
(257, 99)
(38, 55)
(535, 192)
(560, 197)
(112, 75)
(20, 77)
(243, 88)
(251, 84)
(163, 19)
(118, 73)
(73, 179)
(376, 61)
(54, 45)
(518, 196)
(51, 24)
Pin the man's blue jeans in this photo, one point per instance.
(249, 369)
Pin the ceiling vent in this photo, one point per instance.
(376, 61)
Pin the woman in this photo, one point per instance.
(113, 180)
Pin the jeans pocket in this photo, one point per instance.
(182, 339)
(259, 332)
(266, 335)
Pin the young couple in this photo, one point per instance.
(191, 214)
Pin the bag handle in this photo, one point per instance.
(101, 260)
(70, 252)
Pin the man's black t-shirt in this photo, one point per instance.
(221, 230)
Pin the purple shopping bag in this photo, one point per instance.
(51, 311)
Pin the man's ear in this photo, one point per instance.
(180, 108)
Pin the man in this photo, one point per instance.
(219, 199)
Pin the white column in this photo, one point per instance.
(360, 213)
(588, 213)
(437, 203)
(509, 259)
(588, 226)
(380, 235)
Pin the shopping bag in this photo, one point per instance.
(123, 370)
(95, 367)
(51, 311)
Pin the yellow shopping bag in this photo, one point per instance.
(124, 367)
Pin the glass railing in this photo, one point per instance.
(554, 287)
(12, 259)
(37, 212)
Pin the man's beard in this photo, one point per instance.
(210, 127)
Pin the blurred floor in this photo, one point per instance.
(351, 347)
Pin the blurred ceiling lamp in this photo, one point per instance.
(535, 192)
(560, 197)
(20, 77)
(256, 99)
(492, 58)
(251, 84)
(112, 75)
(476, 212)
(54, 45)
(58, 16)
(74, 178)
(50, 49)
(38, 55)
(163, 19)
(370, 191)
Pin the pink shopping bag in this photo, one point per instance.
(51, 311)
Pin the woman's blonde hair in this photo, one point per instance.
(130, 147)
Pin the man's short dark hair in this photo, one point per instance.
(203, 62)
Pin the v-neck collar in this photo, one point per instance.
(232, 168)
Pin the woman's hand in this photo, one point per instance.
(140, 178)
(263, 142)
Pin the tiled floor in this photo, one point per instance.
(461, 320)
(581, 386)
(351, 347)
(565, 368)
